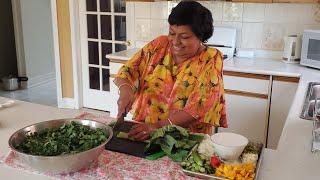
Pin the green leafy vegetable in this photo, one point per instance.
(67, 139)
(175, 141)
(197, 163)
(253, 148)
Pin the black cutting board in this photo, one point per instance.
(134, 148)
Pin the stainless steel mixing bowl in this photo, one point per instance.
(63, 163)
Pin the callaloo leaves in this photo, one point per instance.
(67, 139)
(175, 141)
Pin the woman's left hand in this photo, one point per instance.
(141, 132)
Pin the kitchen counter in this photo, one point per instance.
(123, 55)
(293, 158)
(22, 114)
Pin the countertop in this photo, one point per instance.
(123, 55)
(291, 160)
(22, 114)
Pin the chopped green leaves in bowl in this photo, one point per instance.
(69, 138)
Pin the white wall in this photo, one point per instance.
(8, 59)
(260, 26)
(38, 40)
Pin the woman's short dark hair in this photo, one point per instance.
(196, 16)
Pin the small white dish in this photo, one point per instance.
(229, 146)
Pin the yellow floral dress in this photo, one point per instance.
(194, 86)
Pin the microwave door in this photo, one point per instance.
(313, 52)
(310, 52)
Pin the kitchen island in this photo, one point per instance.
(22, 114)
(292, 159)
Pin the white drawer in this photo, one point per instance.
(113, 99)
(114, 67)
(114, 96)
(247, 84)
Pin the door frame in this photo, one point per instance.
(63, 102)
(18, 36)
(76, 53)
(76, 101)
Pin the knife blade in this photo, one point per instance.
(120, 120)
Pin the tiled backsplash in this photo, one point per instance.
(259, 26)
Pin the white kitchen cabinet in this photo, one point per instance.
(113, 99)
(115, 65)
(246, 116)
(247, 97)
(238, 81)
(283, 92)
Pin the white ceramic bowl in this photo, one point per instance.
(229, 146)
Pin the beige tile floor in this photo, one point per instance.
(45, 94)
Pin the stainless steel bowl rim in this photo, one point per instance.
(64, 155)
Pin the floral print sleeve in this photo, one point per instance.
(134, 70)
(134, 67)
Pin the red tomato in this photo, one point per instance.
(215, 161)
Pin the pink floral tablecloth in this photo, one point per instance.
(112, 165)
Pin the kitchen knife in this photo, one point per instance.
(120, 120)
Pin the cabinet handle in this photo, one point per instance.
(246, 94)
(246, 75)
(128, 43)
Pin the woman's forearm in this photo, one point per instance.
(180, 118)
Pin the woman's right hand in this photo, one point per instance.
(125, 100)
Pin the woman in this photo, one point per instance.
(175, 79)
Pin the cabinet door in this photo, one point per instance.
(294, 1)
(281, 99)
(246, 116)
(113, 99)
(114, 68)
(253, 1)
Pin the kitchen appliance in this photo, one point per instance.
(310, 52)
(224, 39)
(62, 163)
(292, 49)
(11, 83)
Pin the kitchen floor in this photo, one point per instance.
(45, 94)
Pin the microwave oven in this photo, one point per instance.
(310, 50)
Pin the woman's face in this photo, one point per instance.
(184, 42)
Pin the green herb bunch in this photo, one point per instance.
(174, 141)
(67, 139)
